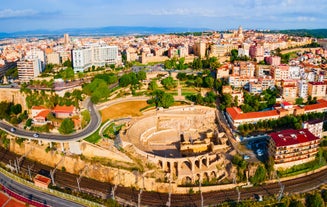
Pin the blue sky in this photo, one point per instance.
(22, 15)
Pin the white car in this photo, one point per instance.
(12, 129)
(36, 135)
(259, 152)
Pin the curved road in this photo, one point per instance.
(91, 127)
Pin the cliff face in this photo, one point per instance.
(13, 94)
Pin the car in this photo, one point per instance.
(258, 197)
(36, 135)
(12, 129)
(259, 152)
(246, 157)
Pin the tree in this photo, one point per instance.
(259, 176)
(141, 75)
(209, 81)
(16, 109)
(295, 203)
(314, 200)
(197, 64)
(168, 83)
(167, 100)
(324, 195)
(162, 99)
(67, 126)
(198, 81)
(153, 85)
(299, 101)
(181, 76)
(234, 54)
(67, 63)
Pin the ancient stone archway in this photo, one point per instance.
(197, 164)
(213, 175)
(168, 167)
(187, 180)
(186, 165)
(206, 177)
(204, 161)
(160, 164)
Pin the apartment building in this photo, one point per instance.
(314, 126)
(28, 69)
(241, 81)
(273, 60)
(302, 86)
(222, 72)
(97, 55)
(53, 58)
(280, 72)
(317, 89)
(292, 147)
(289, 90)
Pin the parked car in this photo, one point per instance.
(259, 152)
(246, 157)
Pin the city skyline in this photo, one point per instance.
(220, 15)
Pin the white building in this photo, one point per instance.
(295, 72)
(315, 127)
(98, 55)
(302, 86)
(39, 54)
(28, 69)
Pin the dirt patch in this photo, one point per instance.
(131, 108)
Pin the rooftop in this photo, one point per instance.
(63, 109)
(237, 114)
(292, 137)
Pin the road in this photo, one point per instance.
(35, 195)
(91, 127)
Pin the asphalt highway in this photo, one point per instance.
(35, 195)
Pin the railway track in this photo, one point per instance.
(67, 180)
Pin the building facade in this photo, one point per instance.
(28, 69)
(317, 89)
(292, 147)
(84, 58)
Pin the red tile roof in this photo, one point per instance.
(285, 103)
(322, 104)
(43, 113)
(42, 179)
(317, 83)
(38, 107)
(292, 137)
(63, 109)
(236, 114)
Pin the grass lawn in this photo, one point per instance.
(131, 108)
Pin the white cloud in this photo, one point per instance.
(9, 13)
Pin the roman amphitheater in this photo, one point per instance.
(183, 141)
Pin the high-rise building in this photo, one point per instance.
(98, 55)
(66, 39)
(28, 69)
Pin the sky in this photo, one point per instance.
(26, 15)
